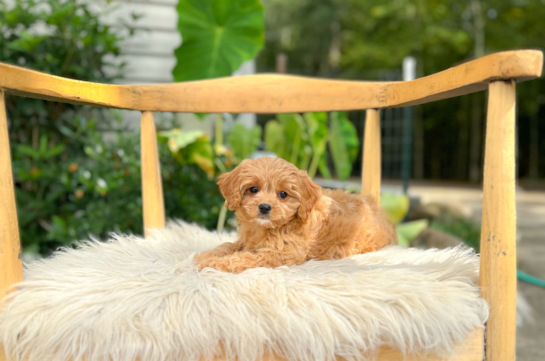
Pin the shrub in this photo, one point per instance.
(71, 182)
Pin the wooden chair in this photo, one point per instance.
(268, 93)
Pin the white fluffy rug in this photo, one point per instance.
(143, 298)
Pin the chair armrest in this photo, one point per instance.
(271, 93)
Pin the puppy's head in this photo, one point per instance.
(269, 192)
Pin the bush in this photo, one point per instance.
(71, 182)
(62, 198)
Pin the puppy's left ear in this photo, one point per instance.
(229, 184)
(310, 194)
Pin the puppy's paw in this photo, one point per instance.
(208, 259)
(203, 260)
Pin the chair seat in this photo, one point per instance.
(134, 298)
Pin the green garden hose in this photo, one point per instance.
(530, 279)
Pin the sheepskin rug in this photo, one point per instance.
(141, 298)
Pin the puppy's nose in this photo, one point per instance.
(265, 208)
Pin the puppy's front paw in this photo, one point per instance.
(203, 260)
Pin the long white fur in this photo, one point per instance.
(143, 298)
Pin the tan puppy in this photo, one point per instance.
(286, 219)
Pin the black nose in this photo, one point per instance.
(265, 208)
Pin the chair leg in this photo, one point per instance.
(371, 172)
(498, 278)
(152, 187)
(11, 271)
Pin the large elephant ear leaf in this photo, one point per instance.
(217, 37)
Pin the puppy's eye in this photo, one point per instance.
(282, 194)
(254, 190)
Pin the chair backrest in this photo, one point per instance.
(279, 93)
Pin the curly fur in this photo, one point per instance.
(310, 223)
(134, 298)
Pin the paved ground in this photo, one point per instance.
(530, 252)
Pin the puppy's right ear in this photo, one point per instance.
(229, 184)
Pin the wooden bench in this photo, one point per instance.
(269, 93)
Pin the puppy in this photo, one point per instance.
(286, 219)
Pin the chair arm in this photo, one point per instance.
(272, 93)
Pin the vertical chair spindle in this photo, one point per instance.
(11, 270)
(371, 173)
(152, 187)
(498, 277)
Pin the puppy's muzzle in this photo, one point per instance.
(264, 208)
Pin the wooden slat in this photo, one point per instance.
(152, 186)
(371, 172)
(498, 276)
(11, 268)
(471, 350)
(266, 93)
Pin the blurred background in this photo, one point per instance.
(77, 169)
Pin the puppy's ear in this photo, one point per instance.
(310, 194)
(229, 184)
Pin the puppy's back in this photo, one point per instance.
(355, 223)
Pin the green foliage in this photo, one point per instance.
(464, 228)
(195, 147)
(98, 190)
(408, 231)
(363, 39)
(275, 139)
(318, 138)
(396, 207)
(71, 182)
(297, 137)
(302, 140)
(64, 38)
(190, 148)
(244, 141)
(344, 144)
(218, 36)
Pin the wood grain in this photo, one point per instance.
(371, 167)
(152, 185)
(270, 93)
(471, 350)
(498, 274)
(11, 268)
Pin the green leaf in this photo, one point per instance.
(193, 147)
(56, 150)
(299, 150)
(323, 166)
(318, 137)
(29, 151)
(178, 139)
(275, 139)
(218, 36)
(42, 148)
(244, 141)
(395, 206)
(344, 144)
(201, 154)
(406, 232)
(317, 128)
